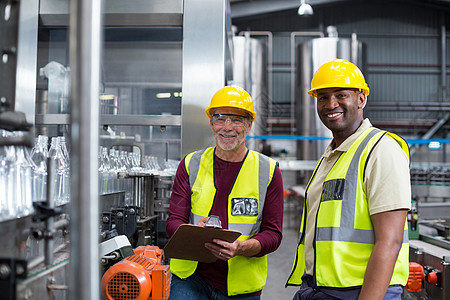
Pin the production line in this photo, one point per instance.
(68, 229)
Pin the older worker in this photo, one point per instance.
(244, 188)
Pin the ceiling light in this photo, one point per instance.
(434, 145)
(305, 9)
(163, 95)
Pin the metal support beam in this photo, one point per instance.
(431, 132)
(9, 23)
(86, 36)
(27, 58)
(136, 13)
(443, 58)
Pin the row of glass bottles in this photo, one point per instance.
(109, 167)
(23, 175)
(115, 166)
(15, 180)
(58, 158)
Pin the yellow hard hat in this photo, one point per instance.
(232, 96)
(338, 73)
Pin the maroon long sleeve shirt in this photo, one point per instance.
(225, 172)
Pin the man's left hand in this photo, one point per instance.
(224, 250)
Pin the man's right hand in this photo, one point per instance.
(202, 222)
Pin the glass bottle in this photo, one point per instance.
(3, 185)
(113, 171)
(127, 181)
(57, 171)
(104, 170)
(22, 180)
(38, 159)
(66, 173)
(6, 201)
(10, 210)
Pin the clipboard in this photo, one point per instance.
(188, 242)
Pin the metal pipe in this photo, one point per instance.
(436, 127)
(443, 59)
(391, 35)
(408, 106)
(431, 132)
(269, 66)
(86, 36)
(401, 65)
(446, 117)
(295, 34)
(39, 260)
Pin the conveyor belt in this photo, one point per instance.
(431, 249)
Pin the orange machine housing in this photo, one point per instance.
(415, 278)
(140, 276)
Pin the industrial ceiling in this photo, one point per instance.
(247, 8)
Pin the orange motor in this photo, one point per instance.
(415, 278)
(140, 276)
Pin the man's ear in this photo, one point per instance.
(249, 126)
(362, 100)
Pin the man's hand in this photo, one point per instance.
(202, 222)
(224, 250)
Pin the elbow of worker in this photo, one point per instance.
(393, 247)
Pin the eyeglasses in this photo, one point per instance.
(235, 120)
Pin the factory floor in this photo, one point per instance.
(280, 265)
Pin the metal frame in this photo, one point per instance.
(9, 23)
(206, 67)
(27, 58)
(86, 36)
(119, 13)
(123, 120)
(438, 258)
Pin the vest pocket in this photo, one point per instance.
(333, 190)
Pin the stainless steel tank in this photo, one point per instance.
(312, 55)
(250, 73)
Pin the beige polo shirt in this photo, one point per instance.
(387, 182)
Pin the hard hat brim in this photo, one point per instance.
(313, 92)
(209, 114)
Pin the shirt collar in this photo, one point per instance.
(350, 140)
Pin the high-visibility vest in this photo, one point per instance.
(344, 235)
(244, 209)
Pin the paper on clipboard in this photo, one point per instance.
(188, 242)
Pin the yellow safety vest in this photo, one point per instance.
(344, 241)
(245, 206)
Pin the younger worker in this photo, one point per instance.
(353, 237)
(245, 189)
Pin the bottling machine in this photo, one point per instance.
(60, 217)
(85, 195)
